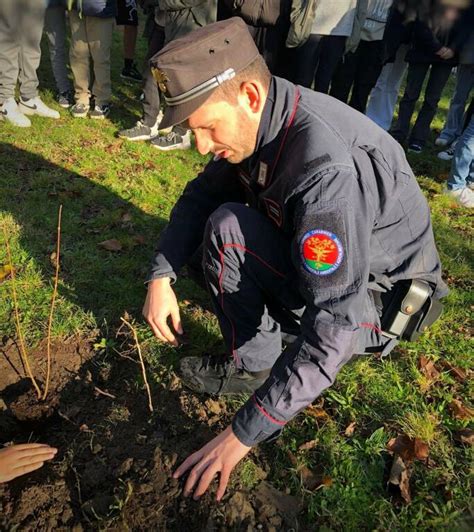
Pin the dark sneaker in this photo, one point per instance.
(79, 110)
(139, 131)
(448, 154)
(415, 148)
(217, 375)
(65, 99)
(100, 111)
(132, 74)
(177, 139)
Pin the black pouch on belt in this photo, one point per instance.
(408, 309)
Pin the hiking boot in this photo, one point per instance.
(464, 196)
(65, 99)
(10, 112)
(34, 106)
(131, 74)
(79, 110)
(177, 139)
(100, 111)
(217, 375)
(447, 155)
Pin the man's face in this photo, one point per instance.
(228, 129)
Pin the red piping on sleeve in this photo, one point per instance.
(266, 414)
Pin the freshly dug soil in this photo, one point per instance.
(113, 469)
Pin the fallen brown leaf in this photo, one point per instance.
(311, 444)
(139, 239)
(111, 245)
(459, 374)
(428, 369)
(465, 436)
(408, 449)
(460, 411)
(316, 412)
(5, 272)
(400, 477)
(350, 429)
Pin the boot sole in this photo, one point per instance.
(170, 148)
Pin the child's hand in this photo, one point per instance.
(18, 460)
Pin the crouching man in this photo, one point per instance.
(310, 227)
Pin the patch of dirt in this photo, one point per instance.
(115, 460)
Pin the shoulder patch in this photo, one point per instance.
(321, 252)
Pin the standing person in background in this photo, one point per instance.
(360, 68)
(55, 27)
(452, 129)
(461, 178)
(317, 59)
(435, 43)
(21, 27)
(92, 23)
(127, 16)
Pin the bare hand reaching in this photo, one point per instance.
(20, 459)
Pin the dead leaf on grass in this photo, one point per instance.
(459, 374)
(139, 239)
(313, 480)
(316, 412)
(350, 429)
(460, 411)
(408, 449)
(428, 369)
(5, 272)
(311, 444)
(465, 436)
(111, 245)
(400, 477)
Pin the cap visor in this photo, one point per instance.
(174, 115)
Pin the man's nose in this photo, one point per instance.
(203, 144)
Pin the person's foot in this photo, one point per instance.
(442, 142)
(448, 154)
(139, 131)
(177, 139)
(80, 110)
(100, 111)
(10, 112)
(415, 148)
(217, 375)
(65, 99)
(34, 106)
(464, 196)
(131, 73)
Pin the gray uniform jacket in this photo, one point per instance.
(326, 167)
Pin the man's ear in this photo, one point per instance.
(252, 96)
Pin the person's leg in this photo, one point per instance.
(30, 31)
(461, 176)
(79, 56)
(344, 75)
(128, 17)
(248, 272)
(9, 48)
(415, 77)
(454, 121)
(383, 97)
(305, 60)
(331, 51)
(439, 75)
(368, 71)
(99, 33)
(151, 100)
(55, 29)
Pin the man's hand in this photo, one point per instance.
(161, 303)
(445, 53)
(18, 460)
(220, 455)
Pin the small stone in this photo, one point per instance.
(96, 448)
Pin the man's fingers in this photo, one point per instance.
(205, 480)
(176, 320)
(166, 332)
(194, 476)
(34, 456)
(156, 331)
(27, 469)
(28, 446)
(189, 462)
(223, 481)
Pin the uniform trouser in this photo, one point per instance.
(254, 285)
(91, 37)
(462, 166)
(438, 76)
(454, 122)
(55, 29)
(384, 95)
(317, 59)
(151, 100)
(358, 71)
(21, 26)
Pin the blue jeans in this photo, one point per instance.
(462, 168)
(454, 122)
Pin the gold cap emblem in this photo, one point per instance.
(161, 78)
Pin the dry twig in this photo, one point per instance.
(53, 301)
(23, 352)
(142, 363)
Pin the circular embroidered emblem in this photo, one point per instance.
(321, 252)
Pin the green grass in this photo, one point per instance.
(111, 189)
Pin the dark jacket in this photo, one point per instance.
(330, 168)
(183, 16)
(96, 8)
(259, 13)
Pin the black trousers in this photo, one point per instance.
(316, 61)
(358, 71)
(437, 79)
(151, 100)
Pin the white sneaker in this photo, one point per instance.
(441, 142)
(10, 112)
(34, 106)
(464, 196)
